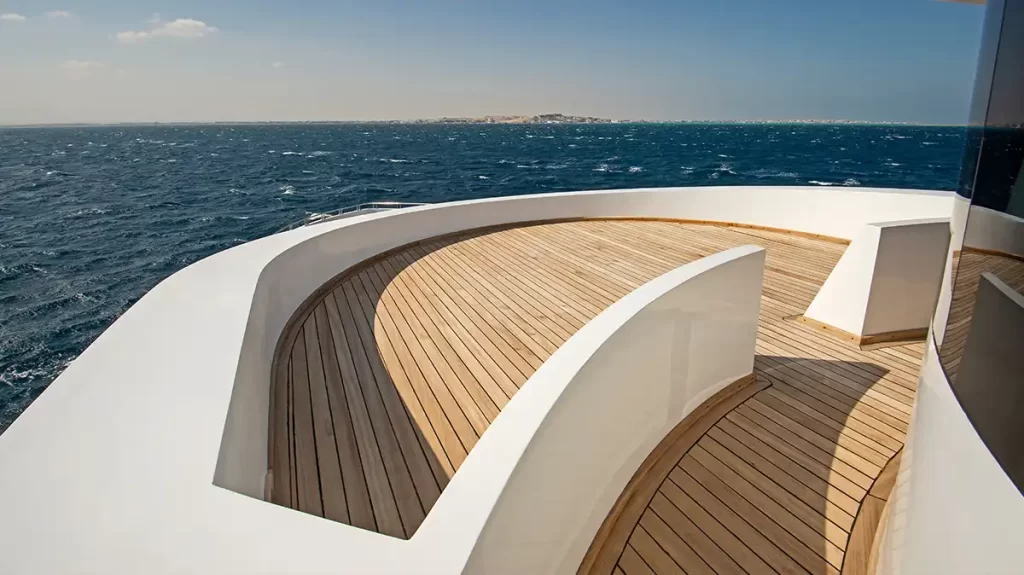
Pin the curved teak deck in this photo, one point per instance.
(389, 377)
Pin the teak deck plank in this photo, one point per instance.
(485, 391)
(423, 474)
(633, 564)
(788, 511)
(281, 449)
(683, 530)
(357, 493)
(372, 429)
(386, 381)
(306, 471)
(332, 489)
(655, 555)
(772, 446)
(736, 535)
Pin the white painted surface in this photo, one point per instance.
(887, 280)
(984, 229)
(610, 394)
(994, 231)
(953, 510)
(113, 469)
(957, 225)
(842, 301)
(908, 274)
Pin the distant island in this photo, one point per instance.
(570, 119)
(538, 119)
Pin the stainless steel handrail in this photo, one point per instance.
(318, 218)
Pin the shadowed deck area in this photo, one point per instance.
(385, 381)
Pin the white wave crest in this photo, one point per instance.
(88, 212)
(12, 375)
(764, 173)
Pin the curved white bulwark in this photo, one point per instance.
(148, 453)
(572, 438)
(953, 509)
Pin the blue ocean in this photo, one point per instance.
(91, 218)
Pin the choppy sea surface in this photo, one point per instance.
(92, 218)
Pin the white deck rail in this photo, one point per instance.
(347, 211)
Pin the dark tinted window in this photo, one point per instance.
(982, 345)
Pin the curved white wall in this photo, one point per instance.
(995, 231)
(953, 510)
(299, 270)
(113, 468)
(603, 401)
(958, 222)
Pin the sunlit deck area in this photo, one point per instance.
(388, 376)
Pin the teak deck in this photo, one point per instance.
(386, 381)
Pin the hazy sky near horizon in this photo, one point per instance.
(65, 61)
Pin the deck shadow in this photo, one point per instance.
(774, 484)
(812, 444)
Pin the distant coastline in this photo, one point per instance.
(569, 119)
(544, 119)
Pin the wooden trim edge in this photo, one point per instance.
(833, 332)
(883, 525)
(724, 224)
(611, 537)
(866, 342)
(988, 252)
(891, 338)
(861, 555)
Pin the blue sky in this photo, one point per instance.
(120, 60)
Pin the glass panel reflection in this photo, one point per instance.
(982, 345)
